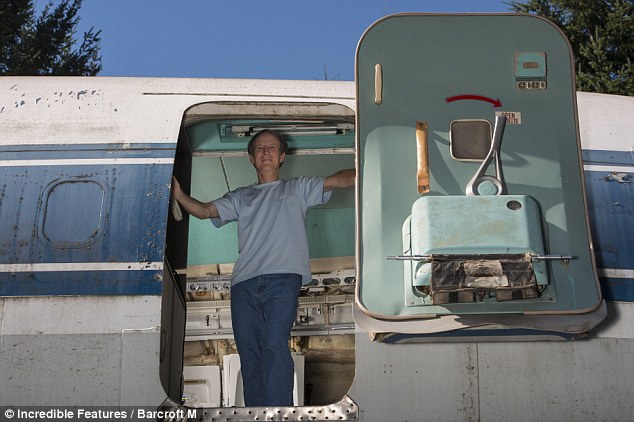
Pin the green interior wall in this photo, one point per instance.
(330, 227)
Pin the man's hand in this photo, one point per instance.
(191, 205)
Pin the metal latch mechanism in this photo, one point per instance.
(461, 278)
(481, 181)
(430, 257)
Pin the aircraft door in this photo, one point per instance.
(471, 196)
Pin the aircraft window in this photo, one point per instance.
(470, 139)
(73, 227)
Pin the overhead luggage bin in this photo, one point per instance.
(471, 199)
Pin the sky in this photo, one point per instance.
(268, 39)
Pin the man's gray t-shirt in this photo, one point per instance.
(271, 225)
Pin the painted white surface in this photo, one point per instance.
(80, 351)
(233, 393)
(605, 121)
(495, 381)
(97, 110)
(202, 386)
(78, 314)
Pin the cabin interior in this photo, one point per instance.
(211, 159)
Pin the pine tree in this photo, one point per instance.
(601, 33)
(45, 45)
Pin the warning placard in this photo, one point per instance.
(512, 117)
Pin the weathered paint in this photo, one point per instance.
(85, 325)
(83, 227)
(86, 165)
(112, 342)
(610, 203)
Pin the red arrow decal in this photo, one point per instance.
(496, 103)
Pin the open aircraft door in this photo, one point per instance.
(471, 201)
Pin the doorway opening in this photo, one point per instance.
(211, 159)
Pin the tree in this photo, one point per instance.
(45, 45)
(601, 33)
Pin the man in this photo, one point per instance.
(272, 265)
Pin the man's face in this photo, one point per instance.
(267, 154)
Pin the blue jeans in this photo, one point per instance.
(263, 310)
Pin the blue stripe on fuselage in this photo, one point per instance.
(611, 214)
(81, 283)
(82, 213)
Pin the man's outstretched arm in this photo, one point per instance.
(191, 205)
(341, 179)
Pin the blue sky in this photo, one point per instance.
(276, 39)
